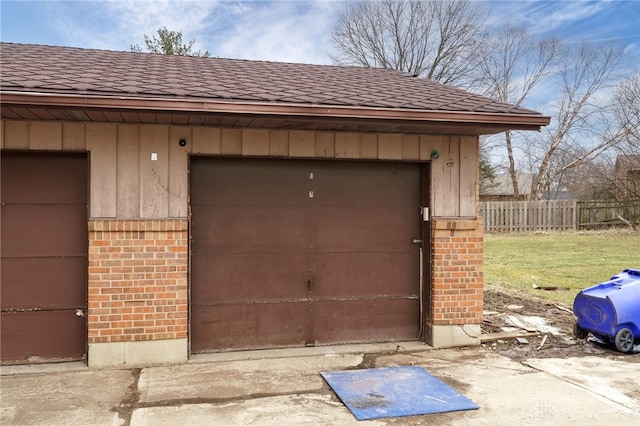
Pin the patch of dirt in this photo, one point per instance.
(500, 306)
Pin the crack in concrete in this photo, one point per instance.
(232, 399)
(475, 335)
(131, 400)
(131, 397)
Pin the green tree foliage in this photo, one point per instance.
(169, 43)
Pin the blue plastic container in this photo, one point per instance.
(611, 310)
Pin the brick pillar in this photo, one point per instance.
(137, 291)
(457, 282)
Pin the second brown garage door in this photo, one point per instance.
(44, 257)
(294, 253)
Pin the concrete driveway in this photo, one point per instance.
(284, 387)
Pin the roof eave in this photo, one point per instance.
(506, 120)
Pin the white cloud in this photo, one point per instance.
(299, 31)
(291, 31)
(278, 31)
(571, 21)
(118, 24)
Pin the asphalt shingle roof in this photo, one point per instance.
(27, 68)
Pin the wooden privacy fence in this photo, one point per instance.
(523, 216)
(556, 215)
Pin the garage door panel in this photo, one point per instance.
(59, 179)
(42, 335)
(325, 245)
(226, 229)
(248, 326)
(365, 274)
(44, 230)
(377, 320)
(366, 184)
(44, 256)
(250, 278)
(249, 182)
(389, 229)
(44, 283)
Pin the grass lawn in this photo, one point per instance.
(575, 260)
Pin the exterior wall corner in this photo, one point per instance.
(457, 281)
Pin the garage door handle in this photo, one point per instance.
(310, 283)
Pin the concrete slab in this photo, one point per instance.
(538, 399)
(64, 398)
(233, 379)
(614, 379)
(455, 359)
(283, 389)
(308, 409)
(511, 393)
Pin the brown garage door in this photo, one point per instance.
(44, 256)
(293, 253)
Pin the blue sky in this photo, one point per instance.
(292, 31)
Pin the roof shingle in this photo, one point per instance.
(28, 68)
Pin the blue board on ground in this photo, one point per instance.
(394, 391)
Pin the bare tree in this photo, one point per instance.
(627, 112)
(577, 131)
(626, 177)
(513, 64)
(591, 181)
(439, 40)
(169, 43)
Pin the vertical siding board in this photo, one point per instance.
(128, 171)
(206, 140)
(101, 142)
(428, 143)
(231, 141)
(154, 175)
(390, 147)
(16, 135)
(74, 137)
(45, 135)
(325, 145)
(410, 147)
(348, 145)
(302, 143)
(178, 165)
(426, 146)
(368, 146)
(469, 175)
(279, 143)
(255, 142)
(445, 177)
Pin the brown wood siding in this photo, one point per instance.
(292, 253)
(44, 256)
(126, 183)
(454, 177)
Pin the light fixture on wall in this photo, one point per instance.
(182, 142)
(434, 154)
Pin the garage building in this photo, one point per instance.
(155, 207)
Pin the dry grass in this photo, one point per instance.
(574, 260)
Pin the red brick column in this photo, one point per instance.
(457, 287)
(137, 280)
